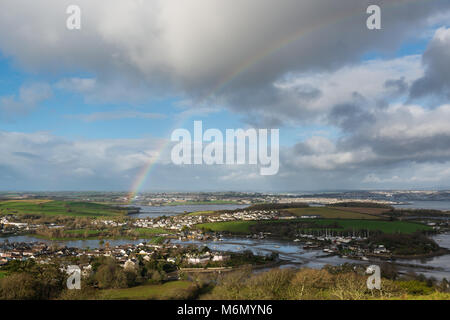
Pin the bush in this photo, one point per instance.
(415, 287)
(19, 286)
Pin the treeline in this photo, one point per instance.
(267, 206)
(405, 244)
(356, 204)
(282, 229)
(418, 212)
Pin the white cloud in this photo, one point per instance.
(25, 101)
(43, 160)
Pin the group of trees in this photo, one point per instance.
(29, 280)
(108, 274)
(398, 213)
(405, 244)
(337, 283)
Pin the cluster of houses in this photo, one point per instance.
(109, 223)
(9, 226)
(181, 222)
(206, 257)
(160, 199)
(126, 255)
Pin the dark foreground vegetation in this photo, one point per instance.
(152, 276)
(30, 281)
(346, 282)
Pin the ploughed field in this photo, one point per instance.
(59, 208)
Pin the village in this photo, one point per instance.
(127, 255)
(194, 226)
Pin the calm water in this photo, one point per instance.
(155, 211)
(442, 263)
(287, 250)
(435, 205)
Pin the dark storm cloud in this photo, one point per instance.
(400, 85)
(436, 80)
(350, 117)
(237, 52)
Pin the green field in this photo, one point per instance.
(330, 213)
(371, 225)
(3, 274)
(166, 291)
(59, 208)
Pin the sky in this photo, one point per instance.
(94, 109)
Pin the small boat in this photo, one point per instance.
(276, 246)
(296, 240)
(365, 258)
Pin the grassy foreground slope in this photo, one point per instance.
(166, 291)
(59, 208)
(329, 283)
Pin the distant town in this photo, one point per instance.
(179, 198)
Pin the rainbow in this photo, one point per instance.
(146, 170)
(240, 69)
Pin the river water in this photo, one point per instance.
(431, 204)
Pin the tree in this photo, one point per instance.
(19, 286)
